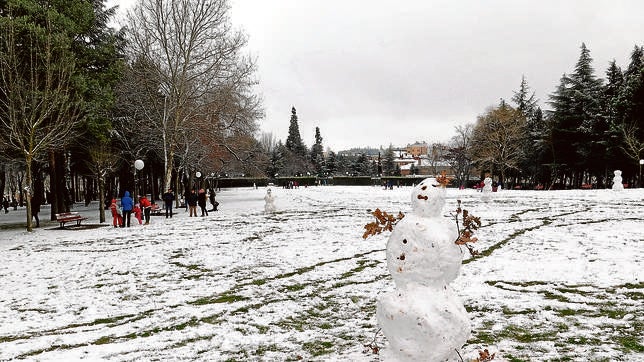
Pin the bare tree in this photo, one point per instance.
(193, 54)
(102, 162)
(497, 138)
(36, 105)
(459, 153)
(633, 145)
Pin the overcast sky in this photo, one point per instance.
(380, 72)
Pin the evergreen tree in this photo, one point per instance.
(294, 140)
(630, 111)
(317, 153)
(331, 163)
(389, 164)
(361, 166)
(524, 99)
(276, 163)
(576, 116)
(526, 103)
(611, 132)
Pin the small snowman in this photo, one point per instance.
(422, 318)
(486, 192)
(270, 202)
(617, 181)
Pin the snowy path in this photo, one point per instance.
(560, 276)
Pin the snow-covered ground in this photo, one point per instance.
(559, 278)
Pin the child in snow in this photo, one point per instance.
(137, 213)
(117, 219)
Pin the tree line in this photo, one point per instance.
(593, 127)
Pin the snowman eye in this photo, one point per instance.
(424, 188)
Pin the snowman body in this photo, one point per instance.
(422, 318)
(617, 181)
(486, 192)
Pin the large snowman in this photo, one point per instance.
(422, 318)
(617, 181)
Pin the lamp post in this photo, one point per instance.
(640, 178)
(138, 166)
(198, 175)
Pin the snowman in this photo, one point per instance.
(422, 318)
(486, 192)
(270, 202)
(617, 181)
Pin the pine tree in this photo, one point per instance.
(524, 99)
(630, 110)
(331, 163)
(575, 116)
(294, 140)
(526, 103)
(317, 153)
(389, 164)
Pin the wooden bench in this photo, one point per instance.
(66, 217)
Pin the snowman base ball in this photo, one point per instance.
(422, 331)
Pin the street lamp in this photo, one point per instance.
(198, 175)
(138, 166)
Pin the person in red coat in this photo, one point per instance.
(117, 219)
(137, 213)
(146, 206)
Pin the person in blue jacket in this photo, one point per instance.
(127, 204)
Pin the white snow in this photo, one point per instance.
(560, 277)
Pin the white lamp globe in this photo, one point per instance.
(198, 174)
(138, 164)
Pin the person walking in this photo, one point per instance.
(147, 208)
(127, 204)
(35, 208)
(213, 202)
(201, 200)
(168, 198)
(191, 200)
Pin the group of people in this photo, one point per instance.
(6, 204)
(194, 199)
(121, 214)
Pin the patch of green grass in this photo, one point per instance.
(103, 340)
(320, 348)
(295, 288)
(507, 311)
(630, 343)
(223, 298)
(262, 349)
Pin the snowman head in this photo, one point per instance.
(617, 172)
(487, 181)
(428, 198)
(268, 191)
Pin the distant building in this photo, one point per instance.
(417, 149)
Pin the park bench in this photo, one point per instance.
(66, 217)
(586, 186)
